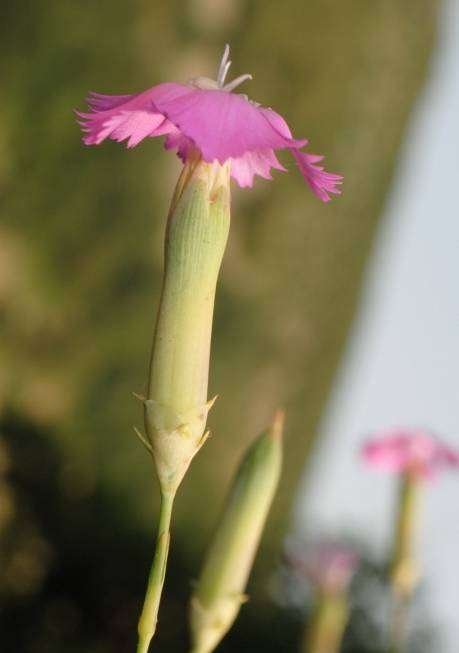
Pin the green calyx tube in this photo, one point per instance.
(220, 590)
(176, 405)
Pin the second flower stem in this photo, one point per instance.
(404, 572)
(398, 634)
(149, 616)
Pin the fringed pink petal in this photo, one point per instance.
(415, 450)
(222, 125)
(278, 123)
(445, 456)
(177, 141)
(388, 453)
(244, 168)
(99, 102)
(321, 182)
(136, 126)
(328, 564)
(123, 117)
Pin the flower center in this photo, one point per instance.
(206, 83)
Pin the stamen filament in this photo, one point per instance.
(236, 82)
(224, 66)
(219, 84)
(221, 81)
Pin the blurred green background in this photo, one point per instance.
(80, 269)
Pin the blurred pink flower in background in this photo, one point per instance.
(410, 450)
(328, 565)
(205, 116)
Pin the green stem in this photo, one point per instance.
(149, 616)
(404, 572)
(398, 635)
(328, 624)
(405, 530)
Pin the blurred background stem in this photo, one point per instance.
(404, 568)
(399, 624)
(328, 623)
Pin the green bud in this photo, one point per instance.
(176, 406)
(220, 589)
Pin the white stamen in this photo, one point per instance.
(224, 66)
(219, 84)
(236, 82)
(221, 81)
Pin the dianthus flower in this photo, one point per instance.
(328, 565)
(206, 116)
(409, 450)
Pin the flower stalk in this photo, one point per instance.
(220, 590)
(404, 571)
(176, 405)
(148, 618)
(329, 566)
(330, 616)
(417, 456)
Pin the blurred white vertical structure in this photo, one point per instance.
(402, 366)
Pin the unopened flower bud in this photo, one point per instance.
(221, 586)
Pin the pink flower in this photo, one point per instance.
(205, 115)
(409, 450)
(328, 565)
